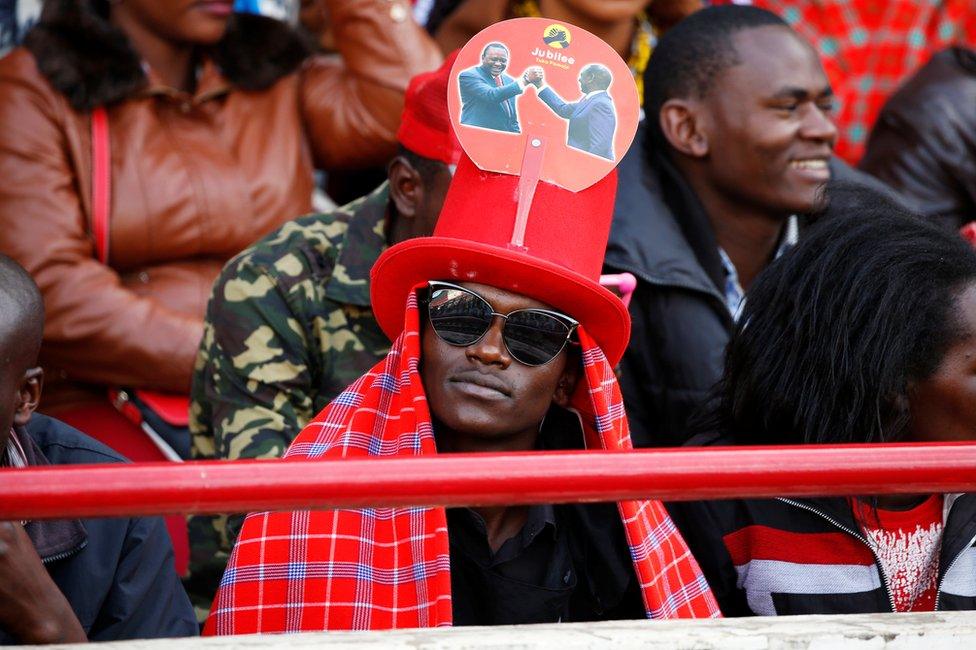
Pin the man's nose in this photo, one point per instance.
(817, 125)
(490, 349)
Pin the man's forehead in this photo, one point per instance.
(15, 351)
(20, 330)
(771, 59)
(11, 326)
(496, 51)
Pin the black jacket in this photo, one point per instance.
(681, 323)
(807, 556)
(116, 573)
(924, 142)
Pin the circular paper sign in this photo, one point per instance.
(531, 86)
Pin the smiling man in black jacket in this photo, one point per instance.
(71, 580)
(735, 151)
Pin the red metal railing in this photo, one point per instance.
(486, 479)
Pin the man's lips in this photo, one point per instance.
(812, 166)
(216, 7)
(481, 385)
(809, 163)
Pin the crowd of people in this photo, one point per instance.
(791, 210)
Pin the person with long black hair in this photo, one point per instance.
(864, 333)
(729, 168)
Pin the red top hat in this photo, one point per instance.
(559, 262)
(524, 233)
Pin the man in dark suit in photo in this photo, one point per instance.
(488, 95)
(592, 119)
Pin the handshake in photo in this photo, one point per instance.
(533, 75)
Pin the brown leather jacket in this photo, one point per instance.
(195, 179)
(924, 142)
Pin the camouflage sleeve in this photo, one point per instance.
(255, 379)
(251, 393)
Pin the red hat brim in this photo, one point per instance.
(400, 268)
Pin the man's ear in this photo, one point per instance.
(681, 123)
(28, 395)
(567, 382)
(406, 187)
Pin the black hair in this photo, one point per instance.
(440, 11)
(834, 333)
(92, 62)
(21, 314)
(690, 55)
(600, 74)
(494, 45)
(428, 168)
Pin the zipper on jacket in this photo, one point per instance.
(64, 554)
(859, 537)
(938, 589)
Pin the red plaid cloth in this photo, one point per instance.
(869, 47)
(382, 568)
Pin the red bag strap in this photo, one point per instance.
(101, 181)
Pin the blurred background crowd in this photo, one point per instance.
(144, 144)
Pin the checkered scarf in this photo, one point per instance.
(382, 568)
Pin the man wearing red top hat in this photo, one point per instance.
(504, 342)
(289, 327)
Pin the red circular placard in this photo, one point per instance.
(583, 128)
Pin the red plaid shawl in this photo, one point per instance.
(381, 568)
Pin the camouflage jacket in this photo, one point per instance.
(288, 327)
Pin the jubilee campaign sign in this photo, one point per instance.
(533, 92)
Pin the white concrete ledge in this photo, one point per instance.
(929, 631)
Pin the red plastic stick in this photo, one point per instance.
(535, 150)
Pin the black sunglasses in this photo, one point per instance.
(461, 317)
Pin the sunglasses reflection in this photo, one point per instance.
(461, 317)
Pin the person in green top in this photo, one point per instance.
(289, 323)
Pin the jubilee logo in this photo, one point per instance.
(556, 36)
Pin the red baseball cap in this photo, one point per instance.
(425, 125)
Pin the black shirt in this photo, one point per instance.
(568, 563)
